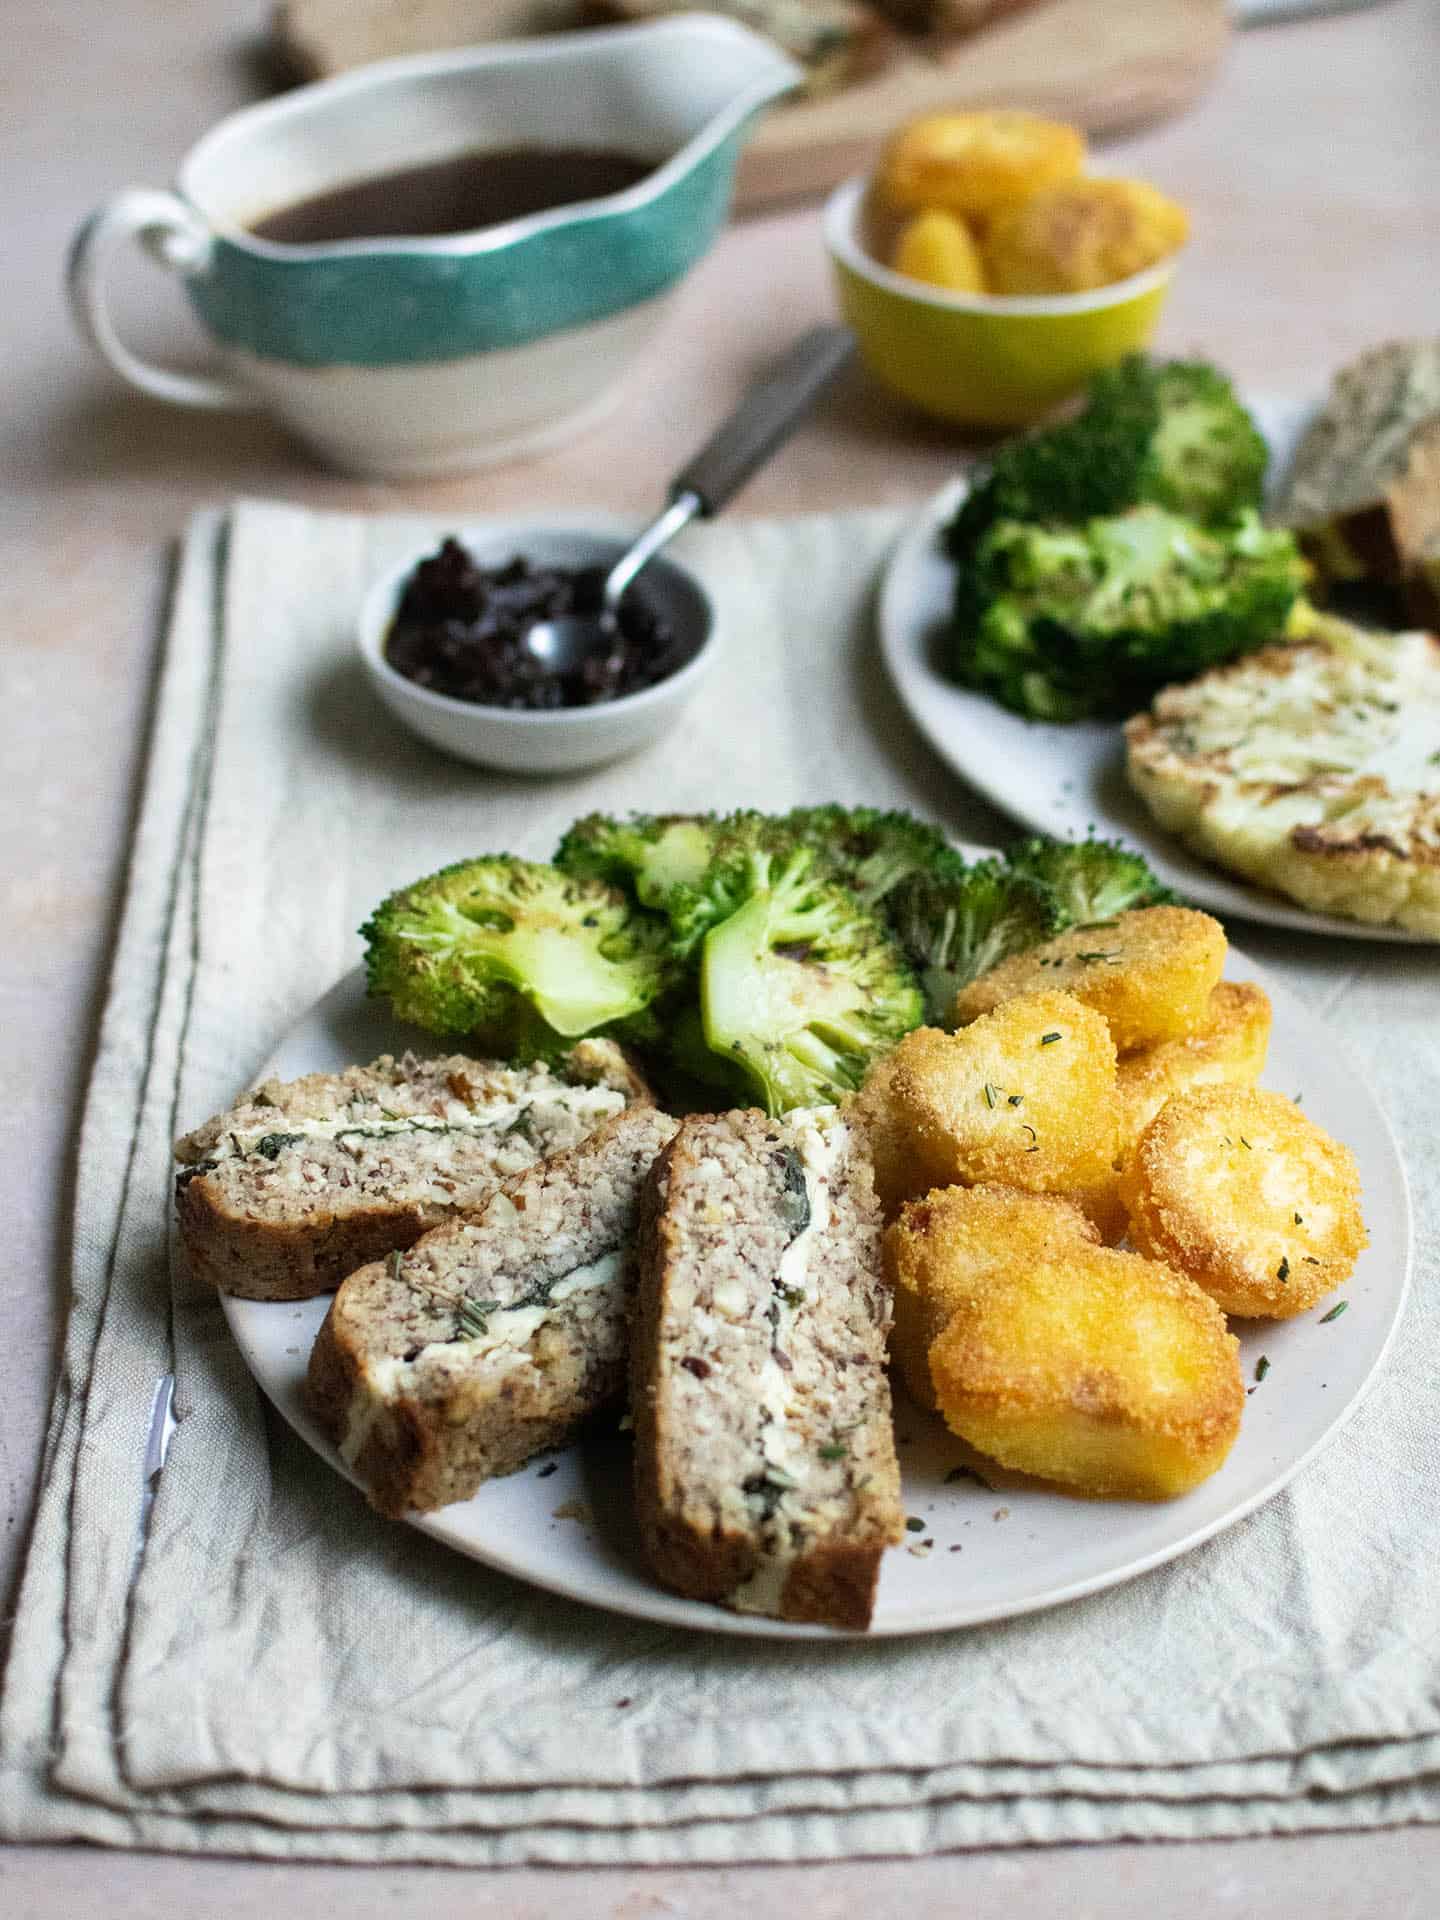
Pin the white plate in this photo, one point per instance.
(564, 1522)
(1058, 779)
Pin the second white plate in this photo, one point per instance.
(1061, 780)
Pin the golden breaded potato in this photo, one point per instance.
(1101, 1370)
(1230, 1047)
(938, 248)
(875, 1109)
(1237, 1188)
(1149, 972)
(973, 163)
(941, 1247)
(1081, 234)
(1024, 1097)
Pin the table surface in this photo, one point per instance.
(1312, 171)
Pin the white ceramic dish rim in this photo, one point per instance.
(1224, 893)
(654, 1603)
(841, 218)
(248, 121)
(378, 607)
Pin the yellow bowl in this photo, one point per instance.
(982, 360)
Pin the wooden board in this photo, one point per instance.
(1103, 64)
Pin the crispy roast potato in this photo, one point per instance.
(1081, 234)
(940, 249)
(1230, 1047)
(954, 1239)
(1237, 1188)
(974, 163)
(1024, 1097)
(1149, 972)
(1101, 1370)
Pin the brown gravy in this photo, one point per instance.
(469, 190)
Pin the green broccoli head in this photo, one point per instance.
(1075, 471)
(956, 921)
(800, 986)
(1089, 879)
(1170, 434)
(1207, 458)
(648, 855)
(867, 849)
(1063, 623)
(521, 958)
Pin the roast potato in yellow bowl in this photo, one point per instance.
(982, 360)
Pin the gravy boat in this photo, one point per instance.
(429, 356)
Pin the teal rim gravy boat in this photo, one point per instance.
(430, 355)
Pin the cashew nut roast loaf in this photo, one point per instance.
(765, 1467)
(304, 1181)
(493, 1336)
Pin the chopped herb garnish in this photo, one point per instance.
(990, 1094)
(1091, 959)
(272, 1145)
(395, 1261)
(1017, 1100)
(1034, 1146)
(1298, 1221)
(1334, 1313)
(1282, 1272)
(1048, 1039)
(1262, 1367)
(914, 1525)
(835, 1450)
(1310, 1260)
(1246, 1144)
(473, 1318)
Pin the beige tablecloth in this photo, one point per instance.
(279, 1672)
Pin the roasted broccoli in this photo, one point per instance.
(1168, 434)
(1090, 879)
(1206, 458)
(521, 958)
(1076, 471)
(1061, 623)
(648, 855)
(800, 986)
(956, 921)
(867, 849)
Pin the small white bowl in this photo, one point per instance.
(569, 739)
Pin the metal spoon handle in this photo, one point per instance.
(768, 414)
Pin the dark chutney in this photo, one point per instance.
(459, 630)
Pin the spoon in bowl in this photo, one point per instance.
(769, 413)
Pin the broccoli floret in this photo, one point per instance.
(1090, 879)
(648, 855)
(1169, 434)
(956, 921)
(1207, 458)
(867, 849)
(521, 958)
(1061, 623)
(800, 986)
(1076, 471)
(687, 1053)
